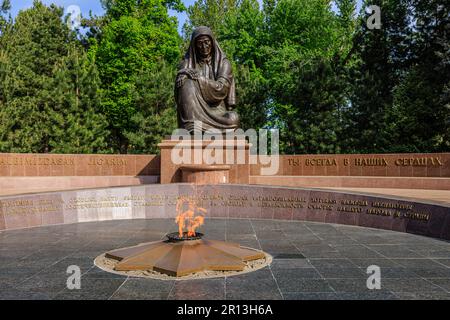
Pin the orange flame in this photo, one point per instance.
(188, 218)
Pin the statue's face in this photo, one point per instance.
(204, 46)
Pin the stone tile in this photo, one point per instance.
(443, 262)
(284, 276)
(18, 294)
(399, 273)
(278, 247)
(34, 261)
(357, 251)
(10, 281)
(310, 296)
(259, 285)
(210, 289)
(418, 263)
(264, 290)
(97, 273)
(92, 289)
(282, 264)
(431, 272)
(352, 285)
(394, 251)
(16, 253)
(381, 262)
(240, 237)
(144, 289)
(271, 235)
(332, 263)
(373, 295)
(444, 283)
(434, 253)
(60, 268)
(319, 251)
(304, 285)
(423, 295)
(306, 240)
(410, 285)
(49, 286)
(19, 272)
(338, 241)
(341, 273)
(254, 244)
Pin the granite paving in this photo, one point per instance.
(312, 261)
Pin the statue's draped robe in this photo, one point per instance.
(211, 97)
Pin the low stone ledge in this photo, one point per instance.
(353, 182)
(22, 185)
(227, 201)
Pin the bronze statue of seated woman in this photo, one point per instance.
(205, 89)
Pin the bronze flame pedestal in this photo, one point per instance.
(180, 256)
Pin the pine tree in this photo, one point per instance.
(32, 49)
(5, 6)
(37, 68)
(421, 101)
(77, 124)
(382, 63)
(155, 117)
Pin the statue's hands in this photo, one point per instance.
(193, 74)
(184, 74)
(180, 80)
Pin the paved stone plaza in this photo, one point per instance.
(311, 261)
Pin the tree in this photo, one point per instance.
(211, 13)
(421, 100)
(36, 65)
(136, 36)
(307, 78)
(156, 116)
(77, 126)
(34, 46)
(382, 62)
(287, 62)
(5, 6)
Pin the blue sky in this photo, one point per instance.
(94, 6)
(85, 6)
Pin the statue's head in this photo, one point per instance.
(203, 46)
(203, 41)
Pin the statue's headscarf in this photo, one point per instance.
(218, 59)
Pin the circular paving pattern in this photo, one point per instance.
(310, 261)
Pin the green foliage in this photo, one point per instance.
(76, 124)
(319, 74)
(284, 56)
(156, 116)
(398, 96)
(138, 35)
(36, 111)
(375, 73)
(306, 41)
(211, 13)
(238, 26)
(421, 100)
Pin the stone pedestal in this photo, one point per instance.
(197, 161)
(205, 174)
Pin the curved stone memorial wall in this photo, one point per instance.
(226, 201)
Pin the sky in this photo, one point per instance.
(95, 6)
(86, 6)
